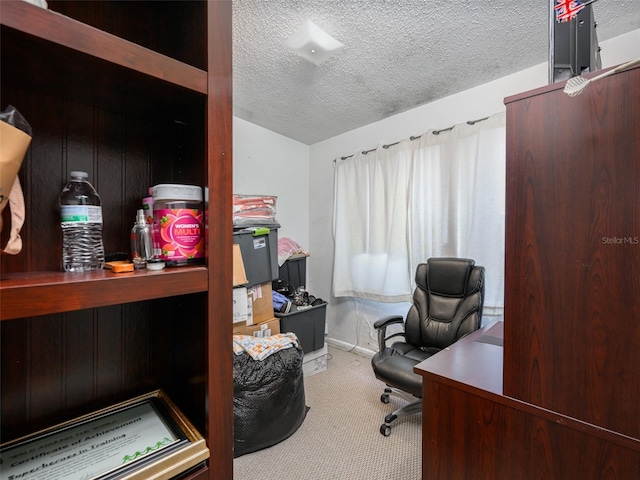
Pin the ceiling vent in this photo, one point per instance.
(313, 44)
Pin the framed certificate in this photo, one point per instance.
(143, 438)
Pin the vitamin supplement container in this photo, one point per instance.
(178, 224)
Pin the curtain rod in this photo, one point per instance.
(412, 138)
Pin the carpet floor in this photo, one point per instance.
(340, 437)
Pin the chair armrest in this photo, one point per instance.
(384, 322)
(381, 326)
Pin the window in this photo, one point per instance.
(439, 195)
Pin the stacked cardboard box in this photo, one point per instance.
(252, 307)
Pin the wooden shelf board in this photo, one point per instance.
(67, 32)
(42, 293)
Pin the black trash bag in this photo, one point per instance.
(268, 399)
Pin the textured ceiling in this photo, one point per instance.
(398, 54)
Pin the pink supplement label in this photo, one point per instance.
(179, 233)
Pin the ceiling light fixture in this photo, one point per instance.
(313, 44)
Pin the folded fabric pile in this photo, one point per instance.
(261, 348)
(288, 248)
(252, 210)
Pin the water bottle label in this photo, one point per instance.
(72, 215)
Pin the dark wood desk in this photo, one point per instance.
(470, 430)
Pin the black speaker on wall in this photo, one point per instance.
(573, 45)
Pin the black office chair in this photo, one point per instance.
(447, 305)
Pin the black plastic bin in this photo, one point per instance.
(307, 324)
(259, 255)
(294, 271)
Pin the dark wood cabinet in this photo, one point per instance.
(136, 93)
(561, 399)
(572, 299)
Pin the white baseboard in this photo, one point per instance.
(349, 347)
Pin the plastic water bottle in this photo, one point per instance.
(81, 221)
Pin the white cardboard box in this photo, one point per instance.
(315, 362)
(240, 305)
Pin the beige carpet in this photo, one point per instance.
(340, 437)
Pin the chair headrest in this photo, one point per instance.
(448, 276)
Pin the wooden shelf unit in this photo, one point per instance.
(136, 94)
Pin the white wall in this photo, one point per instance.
(267, 163)
(349, 321)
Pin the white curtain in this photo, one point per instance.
(440, 195)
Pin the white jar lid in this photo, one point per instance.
(171, 191)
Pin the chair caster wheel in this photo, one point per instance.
(384, 398)
(385, 429)
(390, 418)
